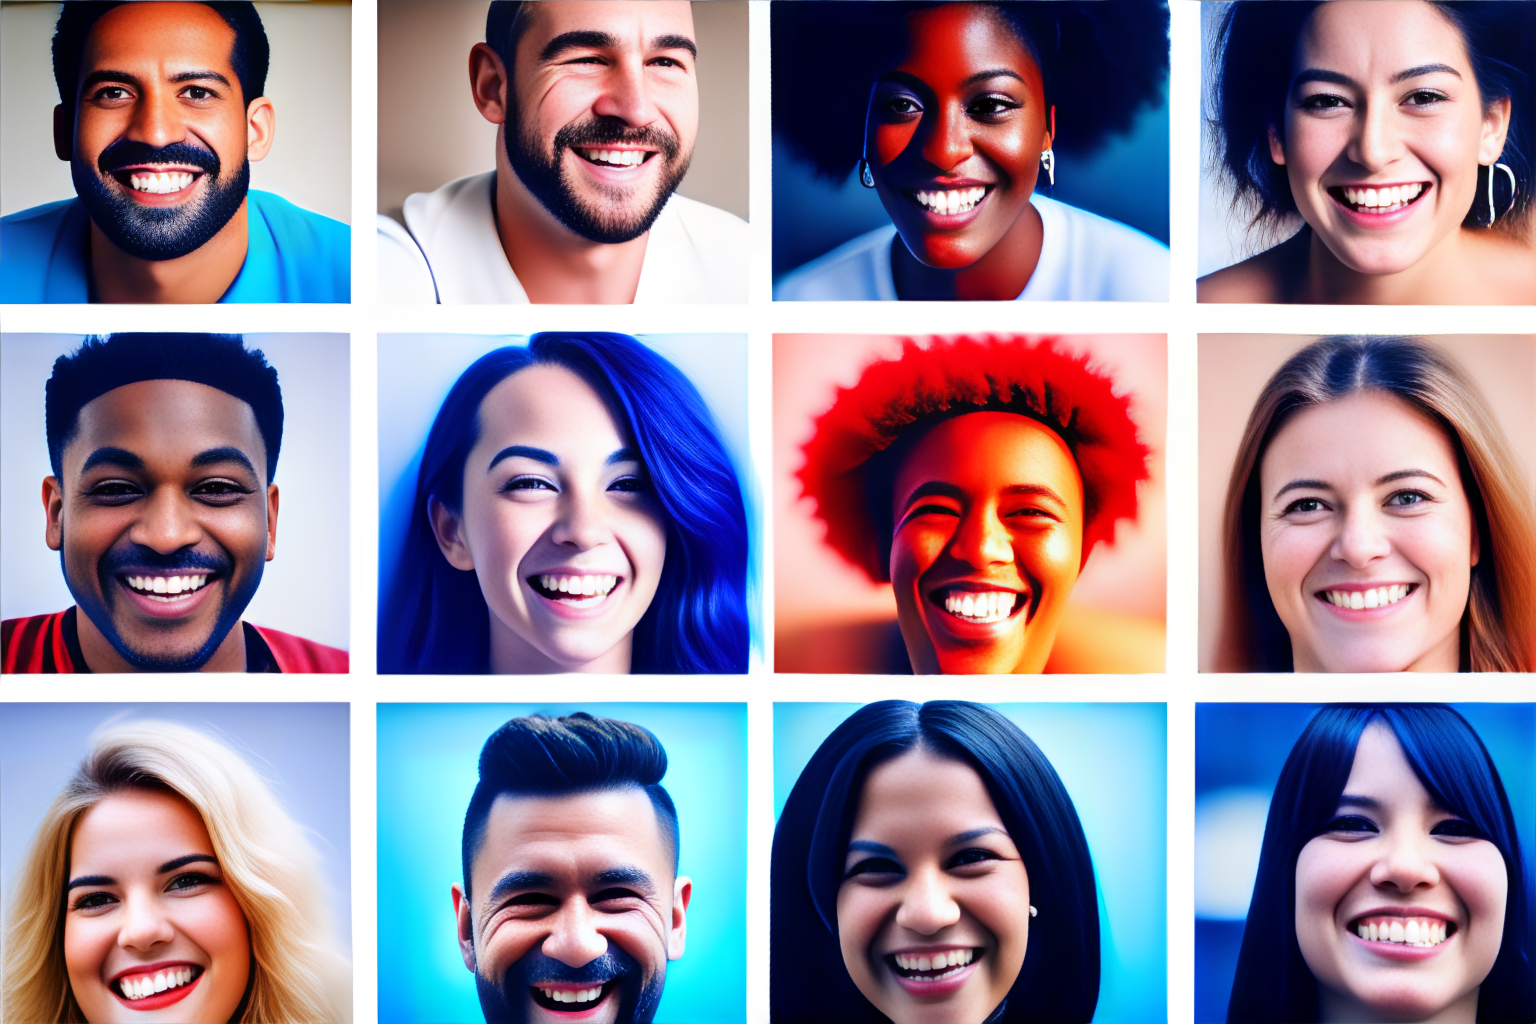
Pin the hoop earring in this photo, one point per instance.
(1493, 211)
(866, 176)
(1048, 161)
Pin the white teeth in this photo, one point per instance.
(1383, 200)
(935, 961)
(951, 201)
(167, 586)
(616, 157)
(1379, 597)
(560, 995)
(584, 590)
(1419, 931)
(145, 985)
(161, 182)
(986, 606)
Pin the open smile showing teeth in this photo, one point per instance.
(932, 966)
(577, 998)
(165, 588)
(616, 157)
(575, 591)
(959, 200)
(1378, 200)
(980, 606)
(1379, 597)
(1424, 932)
(160, 182)
(145, 985)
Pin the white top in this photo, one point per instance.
(449, 251)
(1083, 258)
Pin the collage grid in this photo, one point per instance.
(1180, 687)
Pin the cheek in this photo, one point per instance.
(219, 926)
(913, 551)
(86, 943)
(1477, 873)
(501, 535)
(1289, 553)
(889, 141)
(643, 537)
(859, 911)
(1311, 146)
(1325, 872)
(1051, 556)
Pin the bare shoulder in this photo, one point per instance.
(1257, 279)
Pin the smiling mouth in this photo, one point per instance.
(1363, 199)
(931, 966)
(571, 1000)
(950, 201)
(168, 589)
(614, 157)
(575, 591)
(156, 182)
(1378, 597)
(1423, 932)
(142, 986)
(979, 606)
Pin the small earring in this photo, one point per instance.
(1032, 911)
(866, 176)
(1048, 161)
(1493, 211)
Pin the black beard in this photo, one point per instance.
(508, 1002)
(100, 612)
(547, 181)
(159, 232)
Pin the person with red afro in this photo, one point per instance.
(976, 475)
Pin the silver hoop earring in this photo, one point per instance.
(1493, 211)
(866, 176)
(1032, 911)
(1048, 161)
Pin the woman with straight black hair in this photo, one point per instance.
(929, 864)
(1390, 883)
(608, 533)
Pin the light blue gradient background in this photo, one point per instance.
(427, 757)
(1113, 759)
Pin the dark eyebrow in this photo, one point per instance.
(674, 42)
(76, 883)
(1319, 75)
(581, 39)
(1425, 69)
(1364, 802)
(1311, 485)
(622, 455)
(982, 76)
(866, 846)
(1040, 490)
(181, 862)
(200, 76)
(109, 456)
(523, 451)
(227, 453)
(625, 876)
(515, 881)
(106, 75)
(976, 833)
(932, 489)
(1404, 474)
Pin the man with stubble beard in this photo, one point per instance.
(597, 108)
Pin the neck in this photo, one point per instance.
(552, 262)
(999, 276)
(202, 275)
(101, 656)
(1334, 1008)
(1468, 266)
(513, 655)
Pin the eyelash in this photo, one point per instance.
(623, 485)
(875, 866)
(1419, 498)
(210, 492)
(1456, 827)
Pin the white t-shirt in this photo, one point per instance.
(449, 251)
(1083, 258)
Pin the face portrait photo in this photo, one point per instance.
(148, 850)
(1361, 861)
(1000, 862)
(984, 533)
(166, 539)
(1364, 502)
(172, 182)
(599, 869)
(596, 152)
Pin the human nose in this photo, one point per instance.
(1376, 141)
(1404, 865)
(1361, 538)
(626, 95)
(165, 522)
(575, 940)
(144, 925)
(156, 121)
(927, 905)
(981, 539)
(580, 523)
(947, 144)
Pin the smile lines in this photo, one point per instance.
(1423, 932)
(1378, 200)
(985, 606)
(147, 985)
(960, 200)
(616, 157)
(1379, 597)
(166, 585)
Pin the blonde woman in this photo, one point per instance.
(167, 883)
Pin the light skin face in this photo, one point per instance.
(147, 900)
(164, 480)
(931, 872)
(159, 74)
(573, 877)
(1363, 496)
(963, 113)
(988, 509)
(628, 67)
(1391, 857)
(555, 498)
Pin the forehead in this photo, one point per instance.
(171, 420)
(551, 406)
(170, 34)
(626, 20)
(984, 452)
(1382, 770)
(1380, 36)
(1358, 439)
(572, 837)
(135, 825)
(956, 40)
(924, 795)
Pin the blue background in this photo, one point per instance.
(427, 771)
(1243, 747)
(1113, 759)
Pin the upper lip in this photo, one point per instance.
(1438, 915)
(977, 586)
(940, 947)
(570, 570)
(153, 968)
(1376, 184)
(160, 168)
(1363, 586)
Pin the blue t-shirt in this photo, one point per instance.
(291, 255)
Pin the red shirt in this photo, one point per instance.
(51, 643)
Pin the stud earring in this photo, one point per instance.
(866, 176)
(1032, 911)
(1493, 211)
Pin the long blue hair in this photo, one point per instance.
(1273, 982)
(808, 983)
(434, 619)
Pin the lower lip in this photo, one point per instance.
(564, 610)
(965, 629)
(1398, 950)
(589, 1010)
(613, 173)
(160, 1000)
(1366, 614)
(952, 221)
(936, 989)
(161, 198)
(184, 605)
(1379, 220)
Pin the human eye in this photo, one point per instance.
(190, 880)
(991, 107)
(114, 492)
(1407, 499)
(1306, 506)
(1458, 828)
(111, 94)
(94, 900)
(528, 485)
(972, 856)
(902, 107)
(197, 93)
(614, 896)
(630, 484)
(667, 62)
(1425, 98)
(875, 869)
(1351, 823)
(1319, 102)
(220, 492)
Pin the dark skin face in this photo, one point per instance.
(164, 480)
(961, 122)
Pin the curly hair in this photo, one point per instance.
(848, 475)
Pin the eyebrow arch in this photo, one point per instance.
(975, 833)
(514, 881)
(181, 862)
(622, 455)
(75, 883)
(982, 76)
(1320, 75)
(625, 876)
(577, 40)
(869, 846)
(523, 451)
(110, 456)
(107, 75)
(1404, 474)
(1310, 485)
(1425, 69)
(1363, 802)
(226, 453)
(674, 42)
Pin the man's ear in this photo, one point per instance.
(466, 927)
(1276, 147)
(450, 535)
(271, 521)
(677, 936)
(53, 506)
(488, 83)
(260, 127)
(63, 133)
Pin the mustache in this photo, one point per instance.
(136, 556)
(127, 153)
(535, 968)
(610, 131)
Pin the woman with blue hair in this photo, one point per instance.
(575, 511)
(929, 866)
(1390, 884)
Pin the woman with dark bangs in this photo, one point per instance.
(929, 868)
(1391, 884)
(950, 111)
(575, 511)
(1396, 135)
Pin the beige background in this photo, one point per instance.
(430, 132)
(1235, 367)
(309, 83)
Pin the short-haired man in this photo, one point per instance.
(597, 108)
(161, 112)
(571, 900)
(163, 511)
